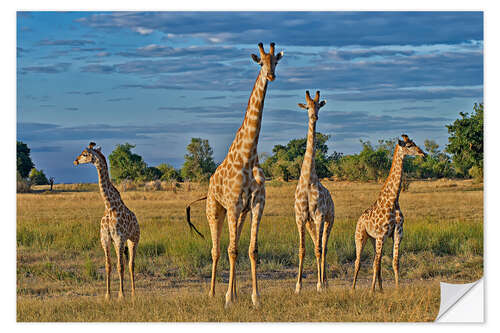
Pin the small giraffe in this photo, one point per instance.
(118, 225)
(384, 218)
(237, 186)
(314, 208)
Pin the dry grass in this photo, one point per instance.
(60, 263)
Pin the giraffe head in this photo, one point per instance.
(89, 155)
(313, 105)
(267, 61)
(408, 147)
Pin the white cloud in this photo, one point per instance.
(143, 31)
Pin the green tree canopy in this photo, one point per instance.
(199, 164)
(126, 165)
(169, 173)
(37, 177)
(466, 141)
(151, 173)
(24, 162)
(286, 160)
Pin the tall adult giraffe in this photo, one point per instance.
(314, 208)
(384, 218)
(118, 225)
(237, 186)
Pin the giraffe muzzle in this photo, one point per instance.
(75, 162)
(271, 77)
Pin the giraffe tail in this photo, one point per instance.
(188, 216)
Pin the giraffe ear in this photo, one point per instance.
(322, 103)
(303, 106)
(280, 55)
(91, 145)
(98, 148)
(255, 58)
(401, 143)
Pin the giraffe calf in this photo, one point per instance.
(118, 225)
(384, 218)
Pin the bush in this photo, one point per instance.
(22, 185)
(169, 173)
(37, 177)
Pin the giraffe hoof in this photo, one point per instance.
(255, 300)
(297, 288)
(120, 296)
(319, 287)
(107, 297)
(211, 294)
(229, 300)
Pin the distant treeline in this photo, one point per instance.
(462, 158)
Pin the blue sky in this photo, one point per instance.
(157, 79)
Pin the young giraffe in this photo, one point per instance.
(118, 225)
(237, 186)
(384, 218)
(314, 208)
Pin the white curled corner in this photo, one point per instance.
(461, 303)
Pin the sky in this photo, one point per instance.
(157, 79)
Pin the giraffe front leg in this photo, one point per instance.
(324, 248)
(398, 235)
(318, 251)
(232, 251)
(105, 242)
(302, 251)
(132, 249)
(376, 263)
(119, 248)
(257, 210)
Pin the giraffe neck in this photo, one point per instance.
(308, 170)
(108, 192)
(250, 129)
(392, 187)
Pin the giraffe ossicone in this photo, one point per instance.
(118, 225)
(314, 207)
(384, 218)
(237, 186)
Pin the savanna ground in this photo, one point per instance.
(60, 263)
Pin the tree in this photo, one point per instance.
(466, 142)
(286, 161)
(199, 163)
(169, 173)
(37, 177)
(51, 182)
(151, 173)
(24, 162)
(126, 165)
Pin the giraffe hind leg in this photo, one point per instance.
(360, 238)
(398, 234)
(120, 248)
(376, 263)
(215, 216)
